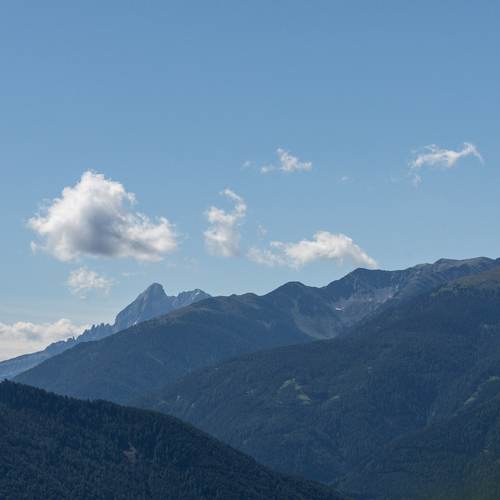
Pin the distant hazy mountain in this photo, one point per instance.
(149, 304)
(146, 357)
(154, 302)
(55, 447)
(406, 406)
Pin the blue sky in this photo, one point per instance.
(178, 101)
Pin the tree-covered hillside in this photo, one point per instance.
(55, 447)
(323, 409)
(130, 363)
(455, 458)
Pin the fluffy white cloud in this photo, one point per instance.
(434, 156)
(287, 163)
(95, 218)
(323, 246)
(83, 280)
(223, 236)
(24, 337)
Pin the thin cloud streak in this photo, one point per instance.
(434, 156)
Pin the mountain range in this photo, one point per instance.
(148, 356)
(405, 406)
(383, 384)
(56, 447)
(149, 304)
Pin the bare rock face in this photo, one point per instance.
(331, 310)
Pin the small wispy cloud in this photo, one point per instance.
(261, 231)
(434, 156)
(222, 237)
(287, 163)
(323, 246)
(81, 281)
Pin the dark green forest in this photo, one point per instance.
(56, 447)
(455, 458)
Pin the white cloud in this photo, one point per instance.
(323, 246)
(287, 163)
(83, 280)
(261, 231)
(434, 156)
(223, 236)
(268, 257)
(25, 337)
(95, 218)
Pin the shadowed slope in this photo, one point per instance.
(324, 408)
(55, 447)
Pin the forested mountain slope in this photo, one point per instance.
(56, 447)
(455, 458)
(325, 408)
